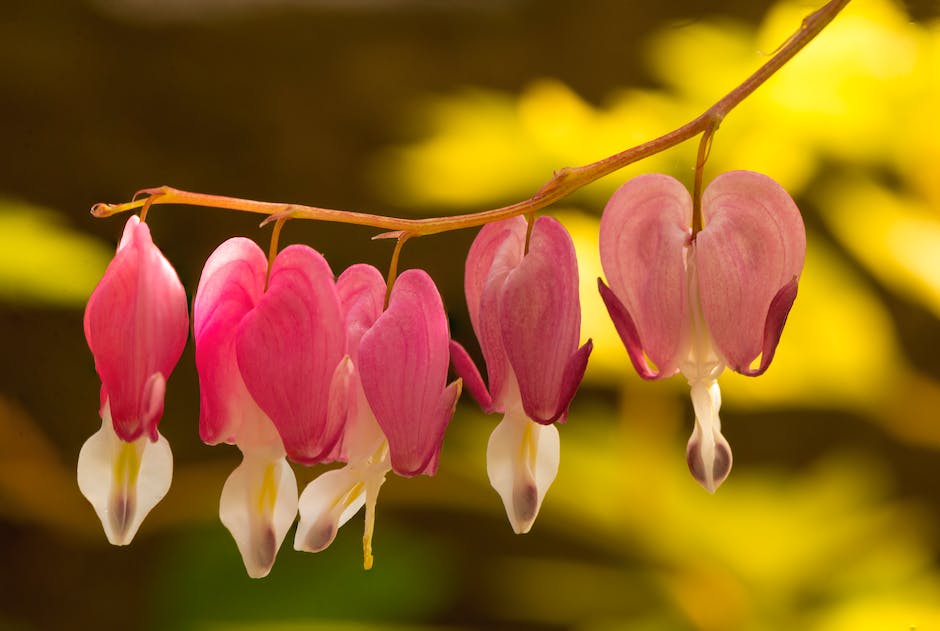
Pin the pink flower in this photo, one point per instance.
(136, 324)
(527, 317)
(398, 402)
(291, 355)
(259, 499)
(697, 303)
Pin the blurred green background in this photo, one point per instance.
(831, 517)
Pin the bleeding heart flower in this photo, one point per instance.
(291, 355)
(399, 404)
(136, 324)
(527, 317)
(259, 499)
(697, 303)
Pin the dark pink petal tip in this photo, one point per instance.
(773, 328)
(570, 382)
(627, 331)
(467, 370)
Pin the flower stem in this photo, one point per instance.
(564, 182)
(393, 266)
(704, 148)
(272, 249)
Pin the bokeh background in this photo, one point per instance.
(830, 520)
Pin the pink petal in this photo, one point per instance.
(496, 251)
(570, 382)
(361, 290)
(467, 370)
(644, 232)
(289, 350)
(540, 321)
(231, 285)
(403, 365)
(773, 328)
(751, 247)
(627, 331)
(136, 324)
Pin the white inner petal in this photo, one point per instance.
(335, 496)
(522, 461)
(258, 506)
(123, 481)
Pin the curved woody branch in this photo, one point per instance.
(563, 183)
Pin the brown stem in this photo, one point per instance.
(393, 266)
(563, 182)
(272, 249)
(704, 148)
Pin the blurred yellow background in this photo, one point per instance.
(830, 518)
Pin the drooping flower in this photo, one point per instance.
(291, 355)
(527, 317)
(259, 500)
(698, 303)
(136, 324)
(399, 403)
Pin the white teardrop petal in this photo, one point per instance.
(326, 504)
(123, 481)
(258, 506)
(708, 453)
(522, 461)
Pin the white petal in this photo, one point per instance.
(326, 504)
(362, 436)
(258, 506)
(708, 453)
(123, 481)
(522, 461)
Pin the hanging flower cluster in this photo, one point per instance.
(296, 364)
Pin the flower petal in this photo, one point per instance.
(361, 290)
(325, 505)
(136, 324)
(258, 506)
(570, 382)
(644, 233)
(540, 322)
(122, 480)
(776, 317)
(751, 246)
(289, 350)
(403, 362)
(627, 331)
(362, 436)
(496, 251)
(522, 462)
(232, 283)
(708, 454)
(467, 370)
